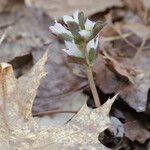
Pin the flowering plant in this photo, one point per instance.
(82, 40)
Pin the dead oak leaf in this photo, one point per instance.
(20, 131)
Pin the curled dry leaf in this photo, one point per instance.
(134, 93)
(19, 130)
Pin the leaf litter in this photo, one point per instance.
(122, 66)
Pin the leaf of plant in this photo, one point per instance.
(65, 37)
(91, 55)
(81, 20)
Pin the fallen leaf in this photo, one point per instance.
(19, 130)
(136, 132)
(120, 68)
(134, 90)
(24, 31)
(118, 72)
(58, 8)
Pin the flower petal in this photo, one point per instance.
(89, 24)
(96, 42)
(67, 18)
(59, 29)
(76, 16)
(93, 44)
(84, 33)
(72, 49)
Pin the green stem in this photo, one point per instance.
(92, 86)
(90, 77)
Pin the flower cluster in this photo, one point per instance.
(80, 36)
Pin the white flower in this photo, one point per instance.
(84, 33)
(67, 18)
(93, 44)
(72, 49)
(88, 29)
(89, 24)
(58, 29)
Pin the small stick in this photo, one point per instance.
(117, 37)
(127, 41)
(140, 49)
(54, 112)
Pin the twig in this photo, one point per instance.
(2, 38)
(54, 112)
(113, 38)
(127, 41)
(140, 49)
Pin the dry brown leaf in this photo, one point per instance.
(18, 130)
(127, 75)
(135, 92)
(136, 132)
(105, 78)
(61, 88)
(120, 68)
(24, 30)
(57, 8)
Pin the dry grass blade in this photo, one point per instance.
(139, 50)
(2, 38)
(54, 112)
(113, 38)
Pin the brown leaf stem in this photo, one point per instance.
(54, 112)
